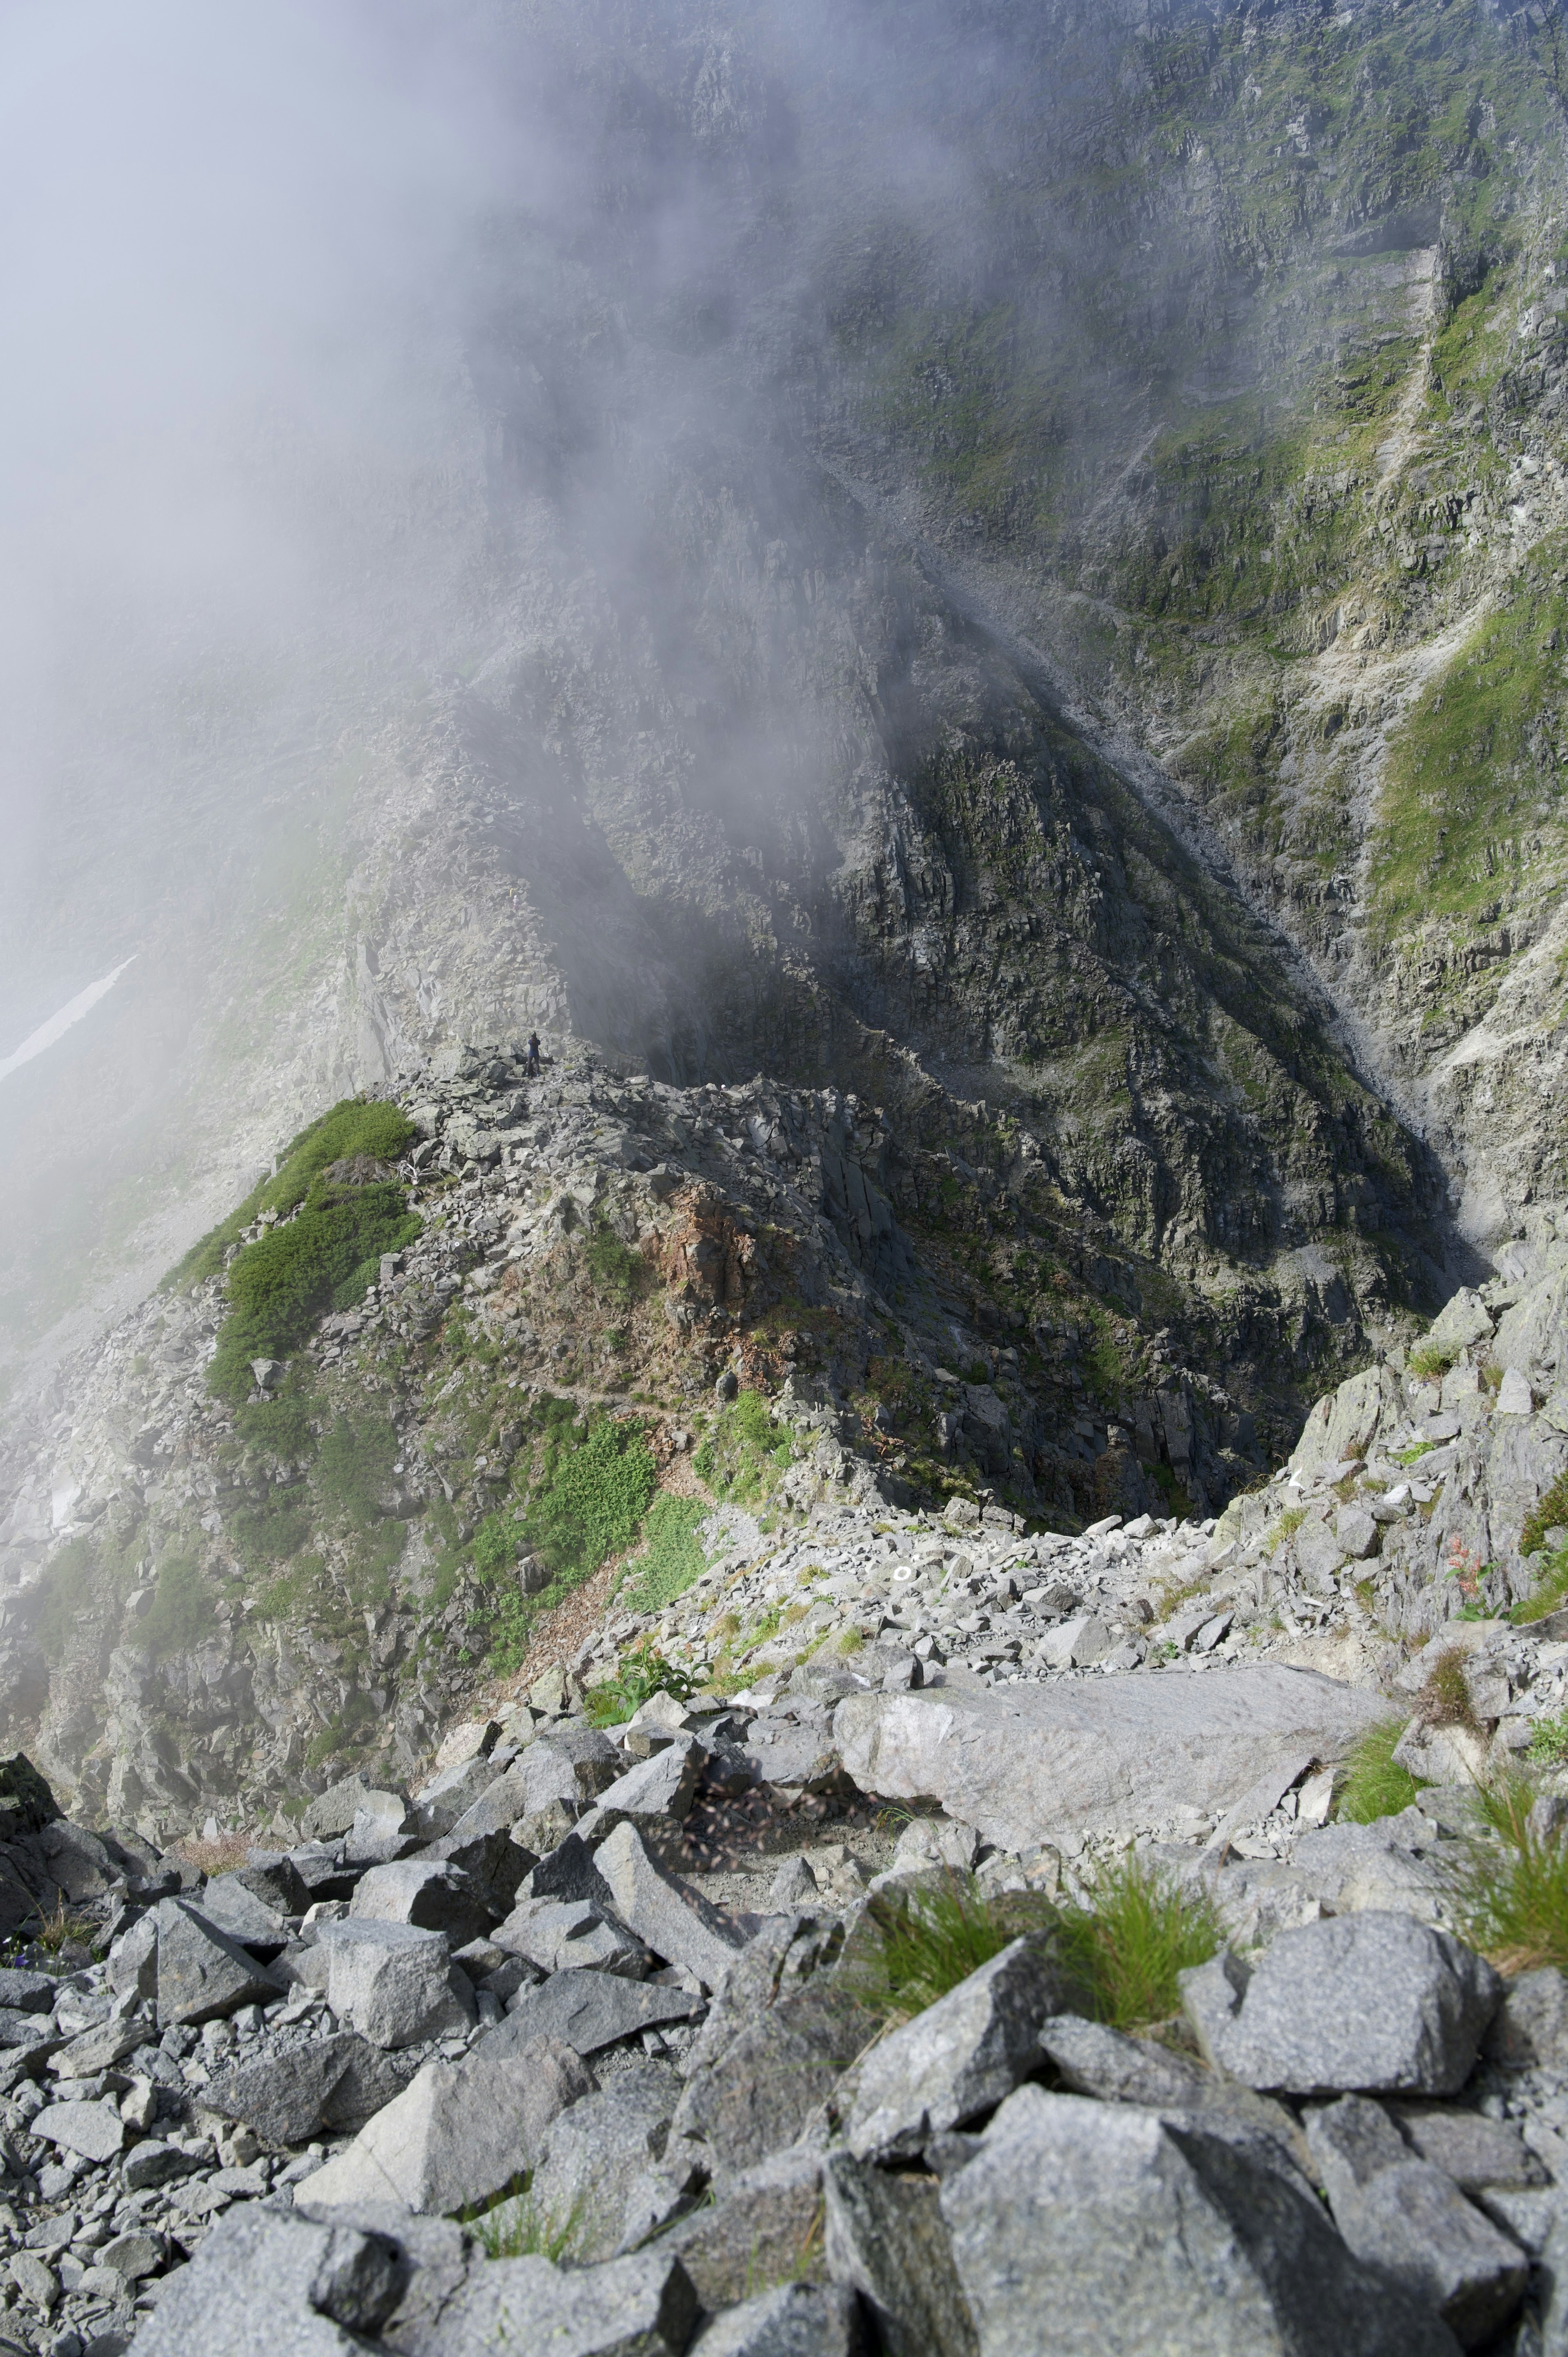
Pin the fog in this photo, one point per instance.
(348, 344)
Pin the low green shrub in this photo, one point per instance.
(743, 1451)
(1427, 1360)
(1371, 1785)
(282, 1425)
(614, 1269)
(673, 1559)
(1549, 1741)
(642, 1672)
(1550, 1591)
(270, 1534)
(597, 1484)
(323, 1259)
(355, 1126)
(1132, 1933)
(943, 1936)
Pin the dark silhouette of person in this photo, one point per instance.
(534, 1065)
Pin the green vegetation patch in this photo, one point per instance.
(324, 1258)
(744, 1451)
(1549, 1513)
(354, 1126)
(1512, 1897)
(639, 1674)
(673, 1559)
(1371, 1785)
(1472, 807)
(1550, 1591)
(183, 1610)
(64, 1593)
(1135, 1931)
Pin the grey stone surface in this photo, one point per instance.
(459, 2133)
(1475, 2151)
(958, 2058)
(1373, 2002)
(272, 1877)
(639, 2306)
(1025, 1763)
(437, 1896)
(266, 2283)
(438, 1805)
(596, 2153)
(886, 2238)
(234, 1906)
(588, 2010)
(567, 1935)
(393, 1982)
(26, 1992)
(1092, 2060)
(1130, 2234)
(94, 2129)
(334, 1811)
(1461, 1320)
(660, 1787)
(202, 1973)
(1407, 2218)
(1531, 2025)
(675, 1922)
(763, 2226)
(794, 2320)
(333, 2082)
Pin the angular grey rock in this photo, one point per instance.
(1131, 2234)
(133, 2255)
(886, 2238)
(99, 2049)
(1371, 2002)
(1407, 2218)
(1475, 2152)
(335, 2082)
(154, 2163)
(958, 2058)
(1092, 2060)
(393, 1982)
(569, 1872)
(234, 1906)
(640, 2307)
(1344, 1423)
(334, 1811)
(568, 1934)
(458, 2134)
(676, 1923)
(1023, 1763)
(499, 1806)
(435, 2254)
(1357, 1532)
(1514, 1395)
(588, 2010)
(1461, 1322)
(794, 2320)
(596, 2153)
(24, 1992)
(796, 1755)
(267, 2283)
(790, 2020)
(425, 1891)
(270, 1876)
(133, 1960)
(94, 2129)
(764, 2227)
(438, 1805)
(1530, 2025)
(663, 1786)
(493, 1862)
(203, 1976)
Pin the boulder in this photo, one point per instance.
(268, 2283)
(588, 2010)
(1407, 2218)
(1463, 1321)
(672, 1920)
(1092, 2060)
(1356, 1531)
(26, 1803)
(1529, 2028)
(1345, 1423)
(958, 2058)
(394, 1983)
(1514, 1395)
(1371, 2002)
(234, 1906)
(459, 2133)
(493, 1862)
(438, 1805)
(1132, 2234)
(1480, 2154)
(334, 1811)
(660, 1787)
(24, 1992)
(598, 2157)
(640, 2307)
(569, 1933)
(1531, 1335)
(203, 1976)
(886, 2238)
(793, 2320)
(272, 1877)
(333, 2082)
(763, 2226)
(94, 2129)
(1024, 1764)
(435, 1895)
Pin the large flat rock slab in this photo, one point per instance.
(1023, 1764)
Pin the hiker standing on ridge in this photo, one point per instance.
(532, 1069)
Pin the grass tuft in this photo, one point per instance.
(945, 1934)
(1445, 1699)
(1135, 1931)
(1550, 1590)
(1549, 1513)
(639, 1674)
(1511, 1899)
(1371, 1784)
